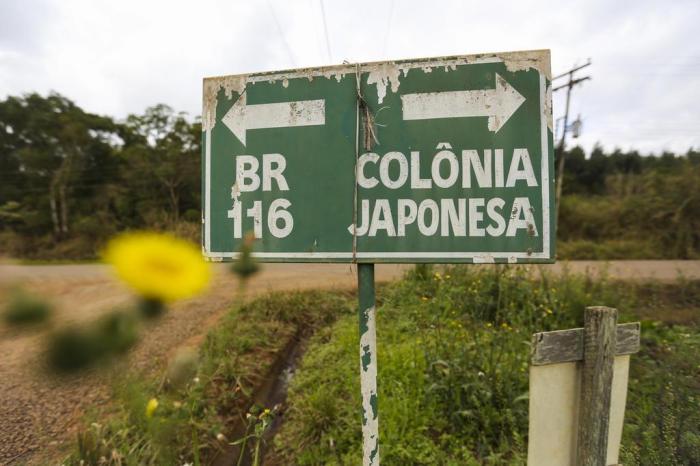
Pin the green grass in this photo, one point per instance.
(662, 423)
(214, 391)
(453, 388)
(453, 357)
(23, 308)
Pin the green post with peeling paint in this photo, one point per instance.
(368, 365)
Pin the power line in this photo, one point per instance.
(571, 83)
(571, 71)
(317, 41)
(281, 33)
(388, 28)
(325, 31)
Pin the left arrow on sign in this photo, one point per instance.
(242, 117)
(497, 104)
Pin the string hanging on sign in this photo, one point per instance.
(368, 120)
(357, 157)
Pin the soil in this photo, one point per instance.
(39, 413)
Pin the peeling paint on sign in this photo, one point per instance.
(548, 106)
(523, 61)
(382, 75)
(212, 86)
(484, 194)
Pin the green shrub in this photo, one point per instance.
(662, 421)
(26, 309)
(202, 398)
(453, 352)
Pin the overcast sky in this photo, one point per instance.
(119, 57)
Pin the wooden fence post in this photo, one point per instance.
(599, 343)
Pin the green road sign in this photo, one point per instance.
(430, 160)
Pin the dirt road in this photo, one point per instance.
(38, 413)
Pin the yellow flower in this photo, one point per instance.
(151, 407)
(158, 266)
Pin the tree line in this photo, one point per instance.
(70, 179)
(625, 205)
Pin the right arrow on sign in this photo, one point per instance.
(497, 104)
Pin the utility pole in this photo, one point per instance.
(562, 141)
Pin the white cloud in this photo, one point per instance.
(120, 57)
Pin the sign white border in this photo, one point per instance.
(476, 257)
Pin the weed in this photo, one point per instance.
(206, 398)
(453, 348)
(453, 388)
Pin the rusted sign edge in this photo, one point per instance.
(515, 61)
(381, 73)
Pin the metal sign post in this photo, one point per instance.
(456, 167)
(368, 364)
